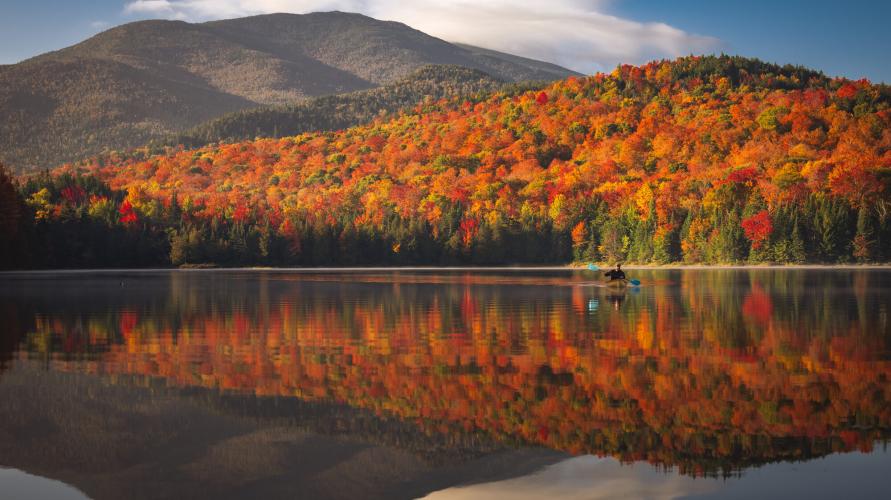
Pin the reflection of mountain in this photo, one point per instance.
(715, 373)
(121, 441)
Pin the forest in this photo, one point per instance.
(714, 159)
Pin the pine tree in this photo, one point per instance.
(864, 240)
(833, 230)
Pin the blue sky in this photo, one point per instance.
(849, 38)
(840, 38)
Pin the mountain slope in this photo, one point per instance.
(61, 110)
(377, 51)
(147, 79)
(340, 111)
(702, 159)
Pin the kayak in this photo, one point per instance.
(616, 283)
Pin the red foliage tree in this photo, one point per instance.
(847, 91)
(128, 215)
(469, 227)
(73, 194)
(758, 228)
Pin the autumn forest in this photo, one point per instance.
(696, 160)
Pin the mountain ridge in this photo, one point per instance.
(139, 81)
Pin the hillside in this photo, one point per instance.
(144, 80)
(702, 159)
(334, 112)
(375, 51)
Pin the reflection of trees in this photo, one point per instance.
(727, 370)
(10, 334)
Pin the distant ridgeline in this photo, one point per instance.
(702, 159)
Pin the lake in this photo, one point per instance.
(728, 383)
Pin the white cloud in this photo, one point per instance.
(98, 25)
(160, 8)
(577, 34)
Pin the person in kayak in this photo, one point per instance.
(615, 274)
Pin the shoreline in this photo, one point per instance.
(506, 268)
(746, 266)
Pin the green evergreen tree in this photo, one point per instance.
(864, 239)
(833, 230)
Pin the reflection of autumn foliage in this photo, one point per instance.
(758, 305)
(705, 391)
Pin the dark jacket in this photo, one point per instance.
(615, 274)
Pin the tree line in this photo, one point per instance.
(80, 222)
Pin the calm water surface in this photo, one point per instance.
(465, 384)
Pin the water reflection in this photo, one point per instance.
(592, 478)
(18, 484)
(706, 371)
(583, 478)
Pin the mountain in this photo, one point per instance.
(698, 160)
(143, 80)
(375, 51)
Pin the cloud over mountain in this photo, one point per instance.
(578, 34)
